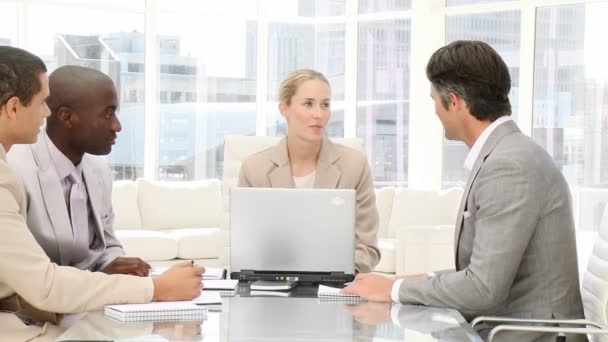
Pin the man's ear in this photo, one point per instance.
(456, 101)
(11, 106)
(65, 115)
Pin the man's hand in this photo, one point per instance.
(372, 287)
(183, 281)
(127, 265)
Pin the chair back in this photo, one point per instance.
(595, 281)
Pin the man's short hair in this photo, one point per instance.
(19, 74)
(474, 71)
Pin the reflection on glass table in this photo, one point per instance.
(300, 316)
(95, 326)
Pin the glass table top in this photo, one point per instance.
(295, 316)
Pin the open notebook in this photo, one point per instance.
(195, 309)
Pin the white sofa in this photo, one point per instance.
(162, 222)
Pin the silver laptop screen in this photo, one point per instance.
(295, 230)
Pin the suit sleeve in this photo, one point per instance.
(367, 254)
(25, 268)
(504, 222)
(113, 248)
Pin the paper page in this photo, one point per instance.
(220, 284)
(333, 292)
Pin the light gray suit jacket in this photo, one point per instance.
(26, 270)
(47, 214)
(338, 167)
(515, 240)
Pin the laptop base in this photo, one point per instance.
(302, 277)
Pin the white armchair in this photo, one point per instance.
(595, 300)
(416, 229)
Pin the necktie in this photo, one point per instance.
(79, 217)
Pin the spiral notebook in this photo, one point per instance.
(333, 294)
(195, 309)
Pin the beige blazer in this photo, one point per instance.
(26, 270)
(338, 167)
(47, 214)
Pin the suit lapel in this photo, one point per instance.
(280, 176)
(94, 184)
(54, 200)
(501, 131)
(328, 174)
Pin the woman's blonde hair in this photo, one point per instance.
(290, 84)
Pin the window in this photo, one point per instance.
(370, 6)
(208, 71)
(470, 2)
(383, 97)
(502, 31)
(570, 100)
(86, 39)
(307, 8)
(8, 24)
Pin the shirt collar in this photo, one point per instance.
(476, 149)
(63, 165)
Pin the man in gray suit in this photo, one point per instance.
(69, 205)
(515, 243)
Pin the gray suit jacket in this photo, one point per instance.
(515, 241)
(26, 270)
(338, 167)
(47, 214)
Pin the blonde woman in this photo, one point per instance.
(306, 158)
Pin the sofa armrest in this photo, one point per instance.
(423, 249)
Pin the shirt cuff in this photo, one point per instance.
(395, 314)
(430, 274)
(395, 290)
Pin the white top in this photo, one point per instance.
(469, 162)
(306, 182)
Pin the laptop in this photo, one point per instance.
(295, 235)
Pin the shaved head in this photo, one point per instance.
(84, 106)
(74, 87)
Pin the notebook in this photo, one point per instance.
(195, 309)
(333, 294)
(210, 272)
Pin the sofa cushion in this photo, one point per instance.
(124, 203)
(387, 260)
(413, 208)
(384, 204)
(424, 249)
(148, 245)
(198, 243)
(174, 205)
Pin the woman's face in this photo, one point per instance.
(309, 111)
